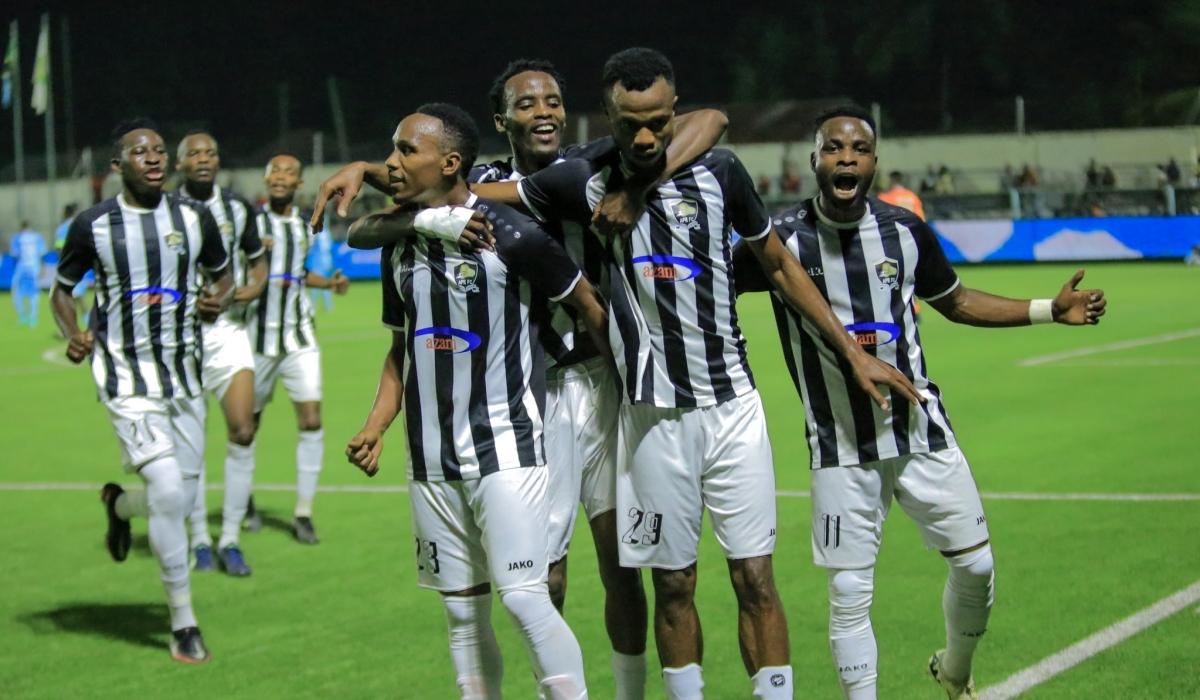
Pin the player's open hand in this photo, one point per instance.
(363, 450)
(345, 184)
(870, 372)
(339, 283)
(80, 346)
(618, 213)
(1078, 307)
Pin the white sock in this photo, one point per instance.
(630, 674)
(473, 648)
(967, 604)
(310, 451)
(169, 501)
(553, 650)
(198, 519)
(685, 683)
(773, 683)
(850, 635)
(132, 504)
(239, 480)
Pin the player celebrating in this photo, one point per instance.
(281, 330)
(693, 434)
(467, 362)
(228, 359)
(874, 259)
(146, 250)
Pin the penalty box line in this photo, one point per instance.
(1079, 652)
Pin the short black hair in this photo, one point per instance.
(637, 69)
(522, 65)
(461, 132)
(289, 154)
(896, 175)
(119, 131)
(852, 111)
(188, 135)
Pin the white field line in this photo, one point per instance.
(1140, 362)
(1076, 654)
(367, 488)
(1123, 345)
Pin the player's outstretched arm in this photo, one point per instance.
(256, 282)
(696, 133)
(794, 285)
(79, 343)
(339, 283)
(1072, 307)
(467, 227)
(346, 184)
(592, 308)
(364, 448)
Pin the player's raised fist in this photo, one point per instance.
(1078, 307)
(80, 346)
(617, 213)
(363, 450)
(339, 283)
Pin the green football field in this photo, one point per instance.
(346, 619)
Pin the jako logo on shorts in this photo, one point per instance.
(154, 296)
(874, 334)
(667, 267)
(447, 339)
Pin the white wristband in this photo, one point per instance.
(444, 223)
(1041, 311)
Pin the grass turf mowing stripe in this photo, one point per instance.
(1123, 345)
(1081, 651)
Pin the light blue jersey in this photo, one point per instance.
(28, 247)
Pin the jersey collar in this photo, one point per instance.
(837, 224)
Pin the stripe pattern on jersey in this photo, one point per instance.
(281, 320)
(844, 425)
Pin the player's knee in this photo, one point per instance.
(166, 497)
(850, 594)
(753, 583)
(556, 582)
(310, 423)
(528, 605)
(674, 589)
(242, 433)
(974, 569)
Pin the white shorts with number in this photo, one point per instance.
(849, 505)
(582, 409)
(226, 352)
(491, 529)
(300, 372)
(148, 429)
(673, 464)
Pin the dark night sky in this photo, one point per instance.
(217, 64)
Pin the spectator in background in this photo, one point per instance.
(1093, 175)
(320, 261)
(1028, 177)
(60, 235)
(899, 195)
(764, 186)
(945, 182)
(929, 182)
(1008, 178)
(1108, 179)
(789, 181)
(28, 247)
(1172, 172)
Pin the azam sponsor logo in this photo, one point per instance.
(669, 268)
(447, 339)
(154, 296)
(874, 334)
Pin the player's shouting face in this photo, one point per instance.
(420, 159)
(534, 115)
(642, 122)
(844, 162)
(142, 164)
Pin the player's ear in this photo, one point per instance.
(498, 120)
(812, 161)
(451, 163)
(115, 165)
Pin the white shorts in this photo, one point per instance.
(151, 428)
(300, 372)
(849, 505)
(674, 463)
(582, 410)
(226, 352)
(491, 529)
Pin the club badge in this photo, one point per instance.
(465, 274)
(174, 240)
(888, 273)
(686, 213)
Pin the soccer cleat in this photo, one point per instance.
(232, 561)
(954, 691)
(118, 539)
(202, 559)
(253, 521)
(302, 530)
(188, 646)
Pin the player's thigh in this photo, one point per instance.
(188, 417)
(143, 429)
(300, 372)
(849, 505)
(266, 372)
(447, 543)
(938, 491)
(738, 478)
(226, 354)
(510, 512)
(597, 437)
(659, 505)
(564, 462)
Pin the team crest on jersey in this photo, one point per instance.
(686, 213)
(888, 273)
(226, 227)
(174, 240)
(465, 274)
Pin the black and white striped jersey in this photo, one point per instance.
(147, 334)
(236, 218)
(474, 371)
(281, 320)
(674, 328)
(869, 272)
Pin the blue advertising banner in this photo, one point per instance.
(1113, 238)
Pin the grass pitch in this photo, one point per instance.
(345, 619)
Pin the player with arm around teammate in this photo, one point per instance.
(149, 253)
(870, 260)
(467, 365)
